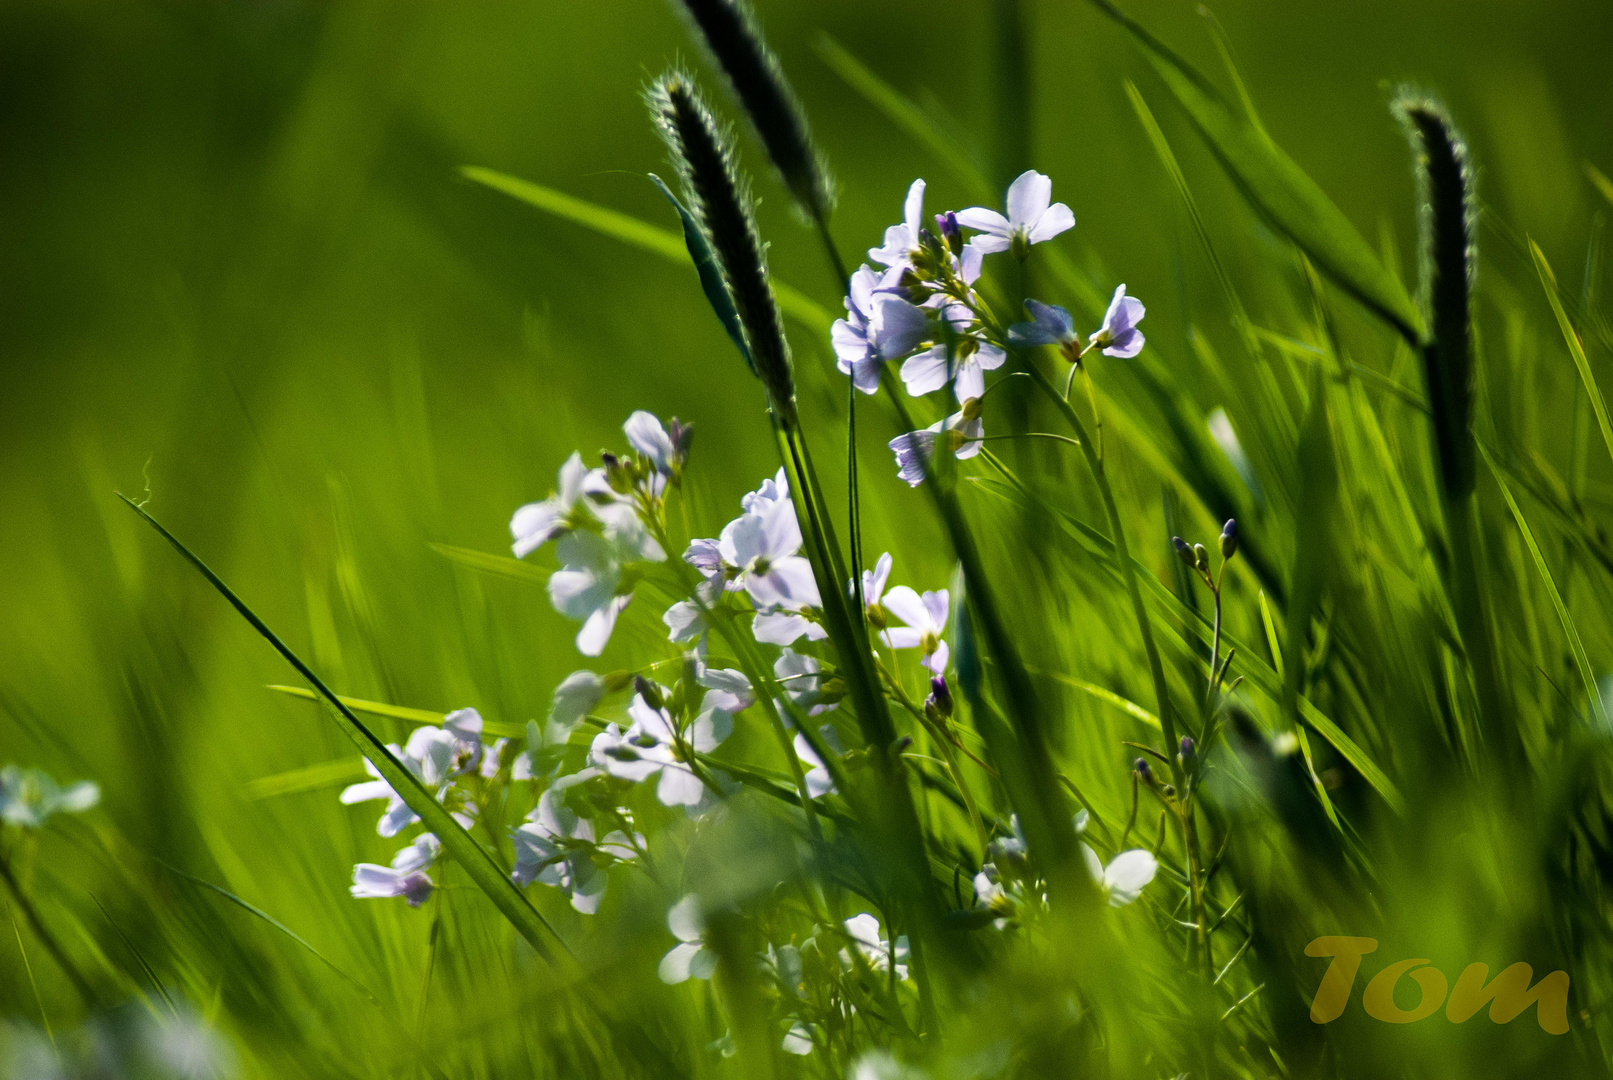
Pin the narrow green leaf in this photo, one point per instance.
(630, 230)
(497, 565)
(326, 774)
(1600, 180)
(1271, 634)
(1278, 188)
(478, 864)
(1124, 704)
(403, 712)
(1570, 631)
(1548, 281)
(705, 264)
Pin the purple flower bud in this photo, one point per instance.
(1229, 538)
(681, 435)
(1188, 747)
(940, 695)
(951, 235)
(1140, 767)
(1184, 550)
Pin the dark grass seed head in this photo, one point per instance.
(719, 197)
(731, 34)
(1448, 259)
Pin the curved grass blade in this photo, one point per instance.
(403, 712)
(1570, 631)
(1548, 281)
(1124, 704)
(705, 264)
(498, 565)
(478, 864)
(1278, 188)
(630, 230)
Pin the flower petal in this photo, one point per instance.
(987, 221)
(1056, 219)
(1028, 197)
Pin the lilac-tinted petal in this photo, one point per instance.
(1028, 197)
(1052, 319)
(970, 379)
(679, 787)
(705, 556)
(903, 637)
(710, 728)
(865, 374)
(596, 631)
(779, 628)
(926, 372)
(464, 725)
(726, 689)
(990, 357)
(911, 451)
(913, 207)
(781, 531)
(646, 435)
(1134, 310)
(398, 817)
(971, 262)
(804, 751)
(1115, 310)
(935, 604)
(1056, 219)
(991, 243)
(1126, 345)
(901, 326)
(937, 661)
(370, 789)
(906, 605)
(850, 345)
(794, 582)
(586, 896)
(874, 580)
(897, 249)
(987, 221)
(575, 697)
(1024, 335)
(534, 525)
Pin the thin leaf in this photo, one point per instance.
(1570, 631)
(705, 264)
(1278, 188)
(308, 778)
(478, 864)
(1124, 704)
(630, 230)
(1548, 281)
(497, 565)
(404, 712)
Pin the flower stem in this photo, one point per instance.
(1128, 573)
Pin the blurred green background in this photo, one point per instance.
(239, 272)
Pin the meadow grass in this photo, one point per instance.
(1409, 742)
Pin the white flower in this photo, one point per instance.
(966, 368)
(1030, 219)
(784, 627)
(1119, 336)
(915, 448)
(1127, 874)
(556, 847)
(864, 932)
(799, 676)
(926, 619)
(537, 523)
(586, 588)
(646, 435)
(577, 695)
(418, 855)
(689, 957)
(435, 755)
(817, 777)
(901, 241)
(650, 747)
(763, 545)
(375, 882)
(880, 326)
(798, 1040)
(28, 797)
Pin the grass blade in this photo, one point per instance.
(1278, 188)
(1570, 631)
(1548, 281)
(478, 864)
(404, 712)
(630, 230)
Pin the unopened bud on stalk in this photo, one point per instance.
(1144, 773)
(682, 436)
(940, 695)
(649, 692)
(1184, 551)
(1229, 538)
(900, 746)
(1189, 748)
(1201, 558)
(618, 681)
(951, 235)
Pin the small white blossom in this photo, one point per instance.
(926, 619)
(28, 797)
(902, 241)
(914, 449)
(864, 932)
(1032, 217)
(690, 957)
(1127, 874)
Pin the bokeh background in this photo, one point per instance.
(239, 275)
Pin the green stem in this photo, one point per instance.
(1128, 573)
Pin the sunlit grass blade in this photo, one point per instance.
(326, 774)
(630, 230)
(1576, 646)
(1124, 704)
(705, 264)
(403, 712)
(1576, 349)
(1277, 187)
(456, 842)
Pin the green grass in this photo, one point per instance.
(247, 283)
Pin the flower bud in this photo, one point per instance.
(1183, 550)
(900, 746)
(617, 681)
(682, 435)
(971, 409)
(941, 695)
(1144, 773)
(951, 235)
(1229, 538)
(618, 474)
(1201, 558)
(649, 692)
(1189, 748)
